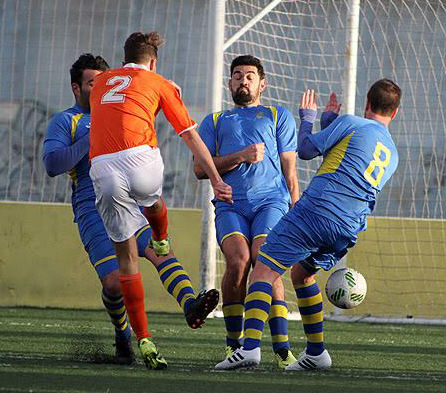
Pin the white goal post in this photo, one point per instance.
(332, 43)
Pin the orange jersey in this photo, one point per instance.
(124, 103)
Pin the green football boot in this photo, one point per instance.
(152, 358)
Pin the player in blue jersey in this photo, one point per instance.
(66, 148)
(359, 158)
(253, 147)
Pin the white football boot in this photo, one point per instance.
(307, 362)
(240, 358)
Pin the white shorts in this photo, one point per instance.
(123, 181)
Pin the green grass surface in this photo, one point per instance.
(45, 350)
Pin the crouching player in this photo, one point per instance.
(359, 158)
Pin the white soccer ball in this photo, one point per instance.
(346, 288)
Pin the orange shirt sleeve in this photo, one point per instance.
(174, 109)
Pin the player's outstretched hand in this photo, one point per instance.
(308, 100)
(223, 191)
(254, 153)
(333, 105)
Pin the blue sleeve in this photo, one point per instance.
(285, 131)
(59, 155)
(330, 136)
(208, 133)
(306, 149)
(327, 118)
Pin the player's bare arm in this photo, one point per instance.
(288, 163)
(252, 154)
(193, 141)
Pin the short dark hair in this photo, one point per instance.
(86, 62)
(250, 61)
(384, 97)
(141, 48)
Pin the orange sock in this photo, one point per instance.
(133, 294)
(158, 221)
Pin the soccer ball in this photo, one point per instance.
(346, 288)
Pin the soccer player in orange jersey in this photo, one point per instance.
(127, 171)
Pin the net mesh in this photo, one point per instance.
(301, 44)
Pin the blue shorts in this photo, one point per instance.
(98, 245)
(306, 237)
(248, 219)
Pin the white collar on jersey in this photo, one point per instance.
(134, 65)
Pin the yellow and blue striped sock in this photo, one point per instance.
(278, 324)
(233, 314)
(257, 307)
(176, 281)
(309, 301)
(116, 310)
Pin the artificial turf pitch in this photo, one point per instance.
(47, 350)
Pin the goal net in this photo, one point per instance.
(302, 44)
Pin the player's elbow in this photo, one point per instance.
(50, 167)
(199, 173)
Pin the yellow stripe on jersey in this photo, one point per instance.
(74, 122)
(215, 118)
(273, 109)
(335, 156)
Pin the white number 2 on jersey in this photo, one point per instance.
(114, 95)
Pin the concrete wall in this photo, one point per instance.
(42, 262)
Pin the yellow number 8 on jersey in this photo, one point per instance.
(377, 162)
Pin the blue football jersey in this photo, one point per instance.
(359, 158)
(64, 129)
(233, 130)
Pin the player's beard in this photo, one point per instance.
(244, 97)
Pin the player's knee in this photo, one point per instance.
(300, 276)
(111, 285)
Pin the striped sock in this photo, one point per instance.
(176, 281)
(278, 324)
(133, 294)
(116, 310)
(233, 314)
(309, 300)
(257, 307)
